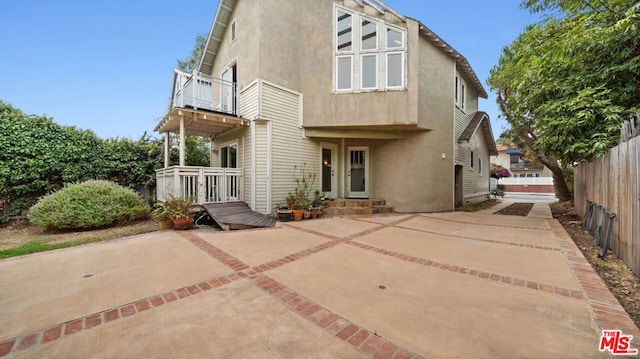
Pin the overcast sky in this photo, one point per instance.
(106, 65)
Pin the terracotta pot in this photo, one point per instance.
(182, 223)
(166, 224)
(320, 213)
(297, 214)
(314, 215)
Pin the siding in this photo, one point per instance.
(289, 146)
(249, 104)
(476, 183)
(261, 166)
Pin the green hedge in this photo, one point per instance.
(92, 204)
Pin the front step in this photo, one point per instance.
(356, 207)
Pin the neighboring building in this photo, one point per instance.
(525, 176)
(375, 102)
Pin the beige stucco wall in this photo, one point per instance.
(291, 44)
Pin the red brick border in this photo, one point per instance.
(608, 312)
(360, 338)
(493, 241)
(482, 224)
(518, 282)
(95, 319)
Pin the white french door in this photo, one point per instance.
(329, 173)
(358, 172)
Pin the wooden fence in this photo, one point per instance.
(612, 181)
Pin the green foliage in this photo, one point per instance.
(35, 247)
(305, 181)
(39, 156)
(197, 152)
(496, 192)
(91, 204)
(191, 63)
(566, 84)
(474, 207)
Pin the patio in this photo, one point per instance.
(402, 286)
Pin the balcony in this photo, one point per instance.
(202, 184)
(201, 105)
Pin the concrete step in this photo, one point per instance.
(355, 211)
(345, 202)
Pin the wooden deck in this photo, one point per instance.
(237, 215)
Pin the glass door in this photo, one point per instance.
(358, 172)
(329, 165)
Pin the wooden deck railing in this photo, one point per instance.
(202, 184)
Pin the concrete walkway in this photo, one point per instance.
(447, 285)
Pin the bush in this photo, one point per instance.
(91, 204)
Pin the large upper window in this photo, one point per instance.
(375, 60)
(460, 89)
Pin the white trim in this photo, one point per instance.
(402, 68)
(377, 24)
(253, 167)
(375, 69)
(335, 167)
(269, 183)
(403, 33)
(233, 31)
(335, 28)
(365, 193)
(350, 57)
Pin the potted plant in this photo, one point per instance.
(300, 196)
(178, 208)
(162, 214)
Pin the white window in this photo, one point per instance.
(369, 54)
(395, 38)
(395, 70)
(344, 73)
(344, 30)
(471, 159)
(479, 165)
(229, 156)
(233, 31)
(369, 35)
(369, 74)
(460, 88)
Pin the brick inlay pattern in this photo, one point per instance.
(608, 312)
(482, 224)
(360, 338)
(95, 319)
(518, 282)
(215, 252)
(493, 241)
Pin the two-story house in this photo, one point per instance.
(374, 102)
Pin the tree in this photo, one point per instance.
(565, 85)
(191, 63)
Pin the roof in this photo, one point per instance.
(480, 120)
(500, 147)
(223, 18)
(216, 34)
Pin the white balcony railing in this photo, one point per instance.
(202, 184)
(200, 91)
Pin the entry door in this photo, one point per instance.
(329, 165)
(358, 172)
(227, 89)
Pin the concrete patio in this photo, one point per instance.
(404, 286)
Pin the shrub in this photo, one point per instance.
(91, 204)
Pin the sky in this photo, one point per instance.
(106, 66)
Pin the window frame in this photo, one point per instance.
(337, 70)
(472, 159)
(233, 31)
(228, 145)
(402, 70)
(375, 71)
(336, 31)
(377, 42)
